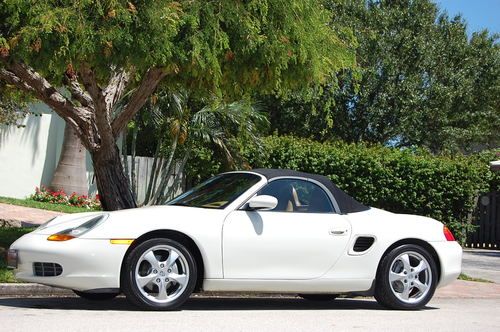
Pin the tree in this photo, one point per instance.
(99, 50)
(173, 128)
(420, 81)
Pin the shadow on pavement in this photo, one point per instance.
(194, 304)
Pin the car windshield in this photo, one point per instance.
(217, 192)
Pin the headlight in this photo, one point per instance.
(77, 231)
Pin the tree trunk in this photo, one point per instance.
(71, 172)
(113, 186)
(91, 117)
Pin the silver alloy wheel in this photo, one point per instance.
(410, 277)
(162, 274)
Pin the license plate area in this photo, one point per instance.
(12, 258)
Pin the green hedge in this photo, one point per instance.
(402, 181)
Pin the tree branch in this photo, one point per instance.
(148, 85)
(44, 90)
(78, 93)
(11, 78)
(90, 83)
(27, 79)
(115, 89)
(102, 117)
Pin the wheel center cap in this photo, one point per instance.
(162, 273)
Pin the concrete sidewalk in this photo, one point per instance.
(16, 216)
(463, 289)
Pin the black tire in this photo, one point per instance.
(96, 296)
(131, 289)
(319, 297)
(383, 290)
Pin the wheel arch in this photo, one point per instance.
(173, 235)
(419, 242)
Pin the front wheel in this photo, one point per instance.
(160, 274)
(406, 278)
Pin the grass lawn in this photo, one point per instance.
(463, 276)
(6, 275)
(41, 205)
(7, 236)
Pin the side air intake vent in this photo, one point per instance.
(47, 269)
(363, 243)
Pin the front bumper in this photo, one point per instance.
(450, 259)
(87, 264)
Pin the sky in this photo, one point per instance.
(479, 14)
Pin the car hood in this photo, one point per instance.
(116, 221)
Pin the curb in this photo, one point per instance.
(459, 289)
(10, 289)
(30, 289)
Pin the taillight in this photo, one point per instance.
(448, 234)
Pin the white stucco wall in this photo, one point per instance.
(29, 155)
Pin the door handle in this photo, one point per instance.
(338, 231)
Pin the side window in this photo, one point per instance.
(298, 196)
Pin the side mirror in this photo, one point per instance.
(262, 202)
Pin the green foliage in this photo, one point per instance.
(484, 157)
(213, 46)
(6, 275)
(402, 181)
(204, 135)
(465, 277)
(421, 81)
(203, 164)
(10, 234)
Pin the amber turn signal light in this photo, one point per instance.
(121, 241)
(60, 237)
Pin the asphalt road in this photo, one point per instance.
(256, 315)
(482, 263)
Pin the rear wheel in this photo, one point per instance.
(319, 297)
(406, 278)
(160, 274)
(96, 296)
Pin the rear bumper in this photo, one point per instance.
(450, 259)
(86, 263)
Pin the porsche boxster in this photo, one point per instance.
(264, 230)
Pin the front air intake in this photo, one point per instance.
(43, 269)
(363, 243)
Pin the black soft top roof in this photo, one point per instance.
(346, 203)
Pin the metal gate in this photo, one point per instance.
(487, 222)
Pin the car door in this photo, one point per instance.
(301, 238)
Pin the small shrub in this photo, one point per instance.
(43, 194)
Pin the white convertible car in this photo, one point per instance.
(258, 231)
